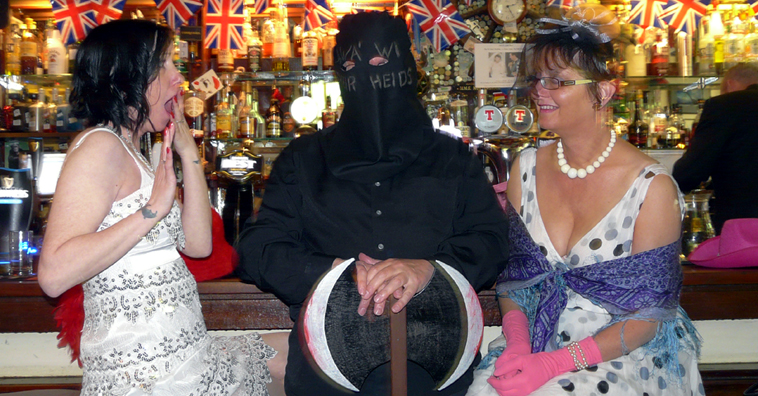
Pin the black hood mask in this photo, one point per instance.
(383, 126)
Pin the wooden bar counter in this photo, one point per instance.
(228, 304)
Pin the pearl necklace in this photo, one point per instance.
(582, 173)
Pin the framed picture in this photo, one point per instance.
(496, 65)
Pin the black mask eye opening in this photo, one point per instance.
(347, 65)
(378, 61)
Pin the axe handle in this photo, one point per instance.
(398, 350)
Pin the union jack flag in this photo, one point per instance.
(317, 14)
(224, 22)
(178, 12)
(564, 3)
(647, 13)
(75, 18)
(685, 14)
(260, 6)
(107, 10)
(440, 20)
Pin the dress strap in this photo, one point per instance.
(139, 163)
(642, 183)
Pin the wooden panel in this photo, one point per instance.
(230, 304)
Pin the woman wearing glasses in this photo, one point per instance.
(590, 297)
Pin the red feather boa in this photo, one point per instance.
(69, 313)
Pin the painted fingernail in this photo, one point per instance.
(168, 150)
(182, 92)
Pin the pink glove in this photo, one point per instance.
(517, 339)
(524, 374)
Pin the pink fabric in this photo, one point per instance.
(522, 375)
(500, 189)
(737, 246)
(517, 339)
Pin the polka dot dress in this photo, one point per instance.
(611, 238)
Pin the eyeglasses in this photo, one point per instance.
(552, 83)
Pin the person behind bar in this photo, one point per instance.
(723, 148)
(590, 296)
(115, 227)
(380, 186)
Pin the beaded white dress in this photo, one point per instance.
(144, 331)
(634, 374)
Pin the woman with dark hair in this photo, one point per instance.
(115, 228)
(590, 296)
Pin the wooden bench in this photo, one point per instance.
(228, 304)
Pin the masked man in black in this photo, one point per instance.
(380, 186)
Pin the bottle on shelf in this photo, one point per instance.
(751, 42)
(194, 114)
(254, 50)
(717, 31)
(328, 116)
(51, 110)
(297, 41)
(62, 108)
(251, 123)
(281, 50)
(37, 112)
(706, 66)
(638, 128)
(267, 34)
(309, 51)
(74, 124)
(57, 56)
(225, 60)
(658, 124)
(223, 117)
(274, 120)
(659, 57)
(13, 51)
(288, 122)
(72, 49)
(28, 50)
(327, 53)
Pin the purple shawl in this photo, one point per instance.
(642, 286)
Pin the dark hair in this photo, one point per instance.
(560, 50)
(115, 65)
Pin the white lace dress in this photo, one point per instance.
(144, 331)
(611, 238)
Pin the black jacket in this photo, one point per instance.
(441, 207)
(724, 147)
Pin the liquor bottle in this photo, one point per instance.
(297, 41)
(13, 51)
(51, 110)
(224, 118)
(706, 67)
(252, 125)
(734, 43)
(37, 112)
(19, 119)
(28, 50)
(288, 122)
(717, 31)
(225, 61)
(62, 108)
(327, 53)
(751, 43)
(254, 50)
(328, 116)
(274, 120)
(638, 128)
(658, 123)
(267, 33)
(57, 59)
(659, 58)
(194, 114)
(281, 51)
(309, 50)
(72, 49)
(678, 137)
(73, 123)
